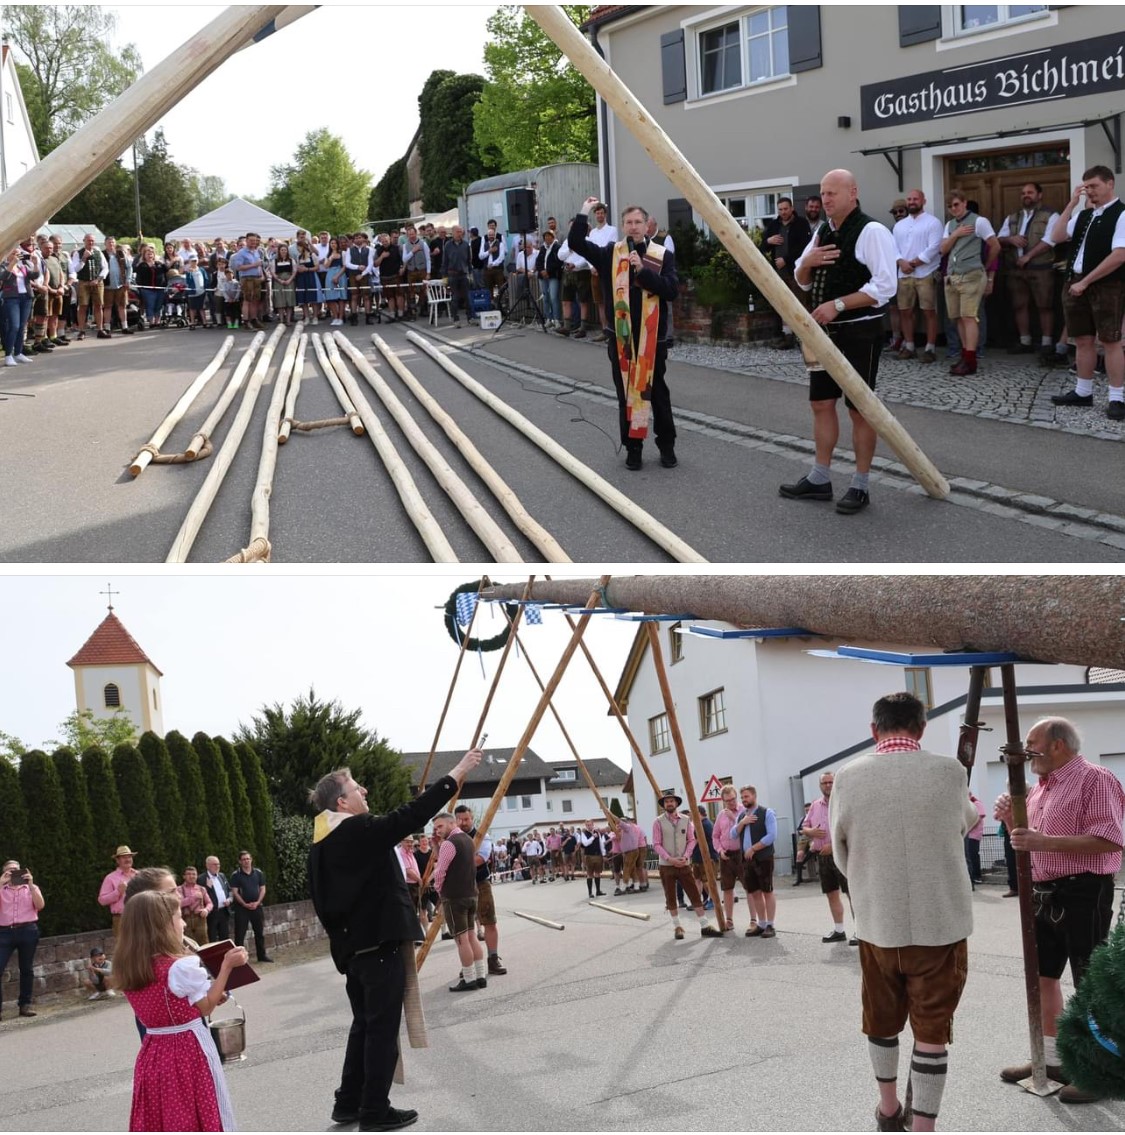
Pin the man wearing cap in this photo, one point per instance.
(917, 240)
(673, 837)
(112, 893)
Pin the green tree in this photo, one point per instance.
(47, 853)
(220, 809)
(138, 806)
(535, 107)
(615, 808)
(11, 748)
(207, 192)
(194, 795)
(82, 730)
(88, 869)
(178, 847)
(327, 191)
(279, 199)
(73, 70)
(14, 813)
(390, 198)
(243, 819)
(299, 745)
(261, 807)
(166, 193)
(292, 837)
(110, 829)
(106, 202)
(451, 158)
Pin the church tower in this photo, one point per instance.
(112, 672)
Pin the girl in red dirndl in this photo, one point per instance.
(178, 1082)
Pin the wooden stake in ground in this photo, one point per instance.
(685, 771)
(672, 163)
(521, 747)
(164, 430)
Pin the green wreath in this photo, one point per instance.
(453, 627)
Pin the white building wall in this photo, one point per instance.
(139, 688)
(20, 153)
(583, 804)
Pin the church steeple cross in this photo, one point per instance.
(109, 593)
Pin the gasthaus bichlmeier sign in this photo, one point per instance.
(1069, 70)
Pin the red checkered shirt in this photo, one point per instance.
(1075, 800)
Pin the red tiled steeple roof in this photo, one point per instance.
(111, 645)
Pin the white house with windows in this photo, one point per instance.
(112, 673)
(763, 99)
(765, 711)
(18, 151)
(570, 799)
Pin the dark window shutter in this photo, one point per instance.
(674, 67)
(679, 212)
(804, 37)
(918, 23)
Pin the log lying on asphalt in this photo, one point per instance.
(673, 165)
(350, 416)
(552, 550)
(151, 451)
(205, 498)
(258, 549)
(639, 915)
(648, 524)
(202, 435)
(542, 921)
(413, 502)
(474, 513)
(1048, 618)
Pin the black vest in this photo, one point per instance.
(846, 275)
(361, 256)
(482, 869)
(460, 877)
(757, 831)
(1099, 236)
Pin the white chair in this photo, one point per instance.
(437, 293)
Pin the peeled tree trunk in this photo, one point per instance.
(1075, 619)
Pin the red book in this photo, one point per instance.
(211, 956)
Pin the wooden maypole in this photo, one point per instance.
(1074, 619)
(674, 166)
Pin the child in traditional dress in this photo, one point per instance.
(178, 1082)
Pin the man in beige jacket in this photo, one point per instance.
(898, 818)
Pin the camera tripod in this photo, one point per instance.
(527, 305)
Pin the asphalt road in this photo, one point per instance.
(68, 496)
(607, 1025)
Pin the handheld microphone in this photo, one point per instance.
(632, 244)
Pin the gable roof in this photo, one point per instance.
(604, 773)
(111, 645)
(531, 766)
(235, 219)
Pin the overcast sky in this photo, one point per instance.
(229, 644)
(356, 69)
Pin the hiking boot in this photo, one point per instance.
(1071, 1094)
(1016, 1072)
(495, 965)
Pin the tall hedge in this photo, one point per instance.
(195, 796)
(220, 809)
(243, 820)
(85, 865)
(138, 806)
(170, 805)
(261, 808)
(292, 840)
(47, 854)
(110, 829)
(13, 816)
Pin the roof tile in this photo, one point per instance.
(111, 645)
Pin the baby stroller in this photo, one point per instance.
(175, 305)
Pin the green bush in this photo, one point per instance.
(88, 870)
(292, 838)
(138, 806)
(196, 824)
(47, 853)
(220, 810)
(261, 808)
(166, 793)
(243, 817)
(110, 830)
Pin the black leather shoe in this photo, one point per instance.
(395, 1118)
(495, 965)
(835, 936)
(27, 1011)
(854, 500)
(345, 1114)
(668, 458)
(265, 959)
(1115, 411)
(1072, 398)
(464, 986)
(804, 489)
(633, 459)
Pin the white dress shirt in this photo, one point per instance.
(919, 238)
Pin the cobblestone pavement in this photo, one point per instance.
(1010, 388)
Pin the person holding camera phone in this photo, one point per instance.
(21, 900)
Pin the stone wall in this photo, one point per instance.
(694, 322)
(60, 962)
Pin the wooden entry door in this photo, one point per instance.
(994, 179)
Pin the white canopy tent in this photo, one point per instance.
(233, 220)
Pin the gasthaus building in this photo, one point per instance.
(762, 100)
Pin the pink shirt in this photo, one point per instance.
(108, 895)
(658, 836)
(190, 898)
(818, 818)
(409, 865)
(444, 858)
(977, 830)
(628, 835)
(1075, 800)
(16, 906)
(554, 843)
(722, 836)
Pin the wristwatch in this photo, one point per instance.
(839, 305)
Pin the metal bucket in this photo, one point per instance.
(229, 1035)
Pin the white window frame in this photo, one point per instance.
(568, 807)
(566, 774)
(666, 732)
(694, 27)
(953, 36)
(923, 675)
(675, 644)
(778, 186)
(526, 804)
(720, 715)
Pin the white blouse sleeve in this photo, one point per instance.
(188, 979)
